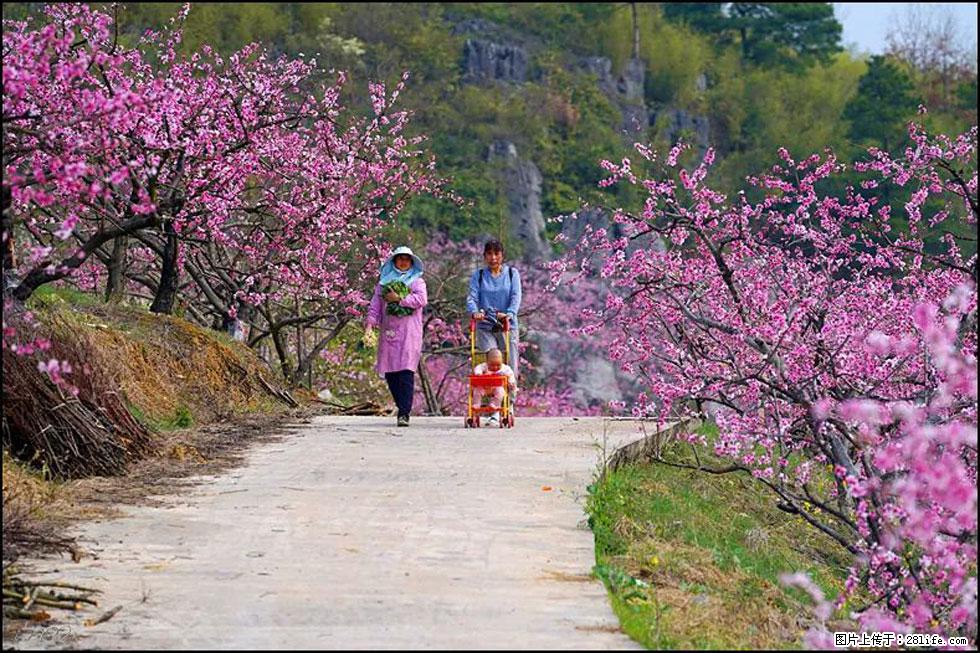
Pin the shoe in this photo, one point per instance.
(403, 420)
(494, 420)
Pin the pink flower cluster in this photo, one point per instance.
(835, 351)
(244, 172)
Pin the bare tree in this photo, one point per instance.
(931, 40)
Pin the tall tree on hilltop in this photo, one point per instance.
(885, 101)
(790, 34)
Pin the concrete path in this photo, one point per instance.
(350, 533)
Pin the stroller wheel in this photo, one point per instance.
(466, 423)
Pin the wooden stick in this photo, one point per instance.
(64, 605)
(66, 597)
(31, 598)
(68, 586)
(11, 612)
(12, 594)
(106, 616)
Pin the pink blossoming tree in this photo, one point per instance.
(240, 184)
(835, 352)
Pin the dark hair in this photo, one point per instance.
(493, 246)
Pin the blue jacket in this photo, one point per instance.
(491, 294)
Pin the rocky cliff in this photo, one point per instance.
(521, 181)
(491, 53)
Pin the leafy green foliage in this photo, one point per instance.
(400, 289)
(675, 53)
(884, 104)
(757, 109)
(787, 34)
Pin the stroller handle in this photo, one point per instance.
(504, 324)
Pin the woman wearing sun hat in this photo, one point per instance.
(396, 311)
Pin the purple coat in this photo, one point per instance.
(399, 336)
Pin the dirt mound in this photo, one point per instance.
(136, 373)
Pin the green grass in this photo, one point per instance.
(48, 296)
(181, 418)
(692, 560)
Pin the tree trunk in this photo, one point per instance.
(431, 402)
(7, 228)
(115, 287)
(636, 32)
(305, 362)
(300, 354)
(280, 342)
(45, 272)
(166, 295)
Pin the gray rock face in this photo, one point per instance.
(573, 228)
(701, 83)
(485, 60)
(598, 380)
(522, 186)
(601, 67)
(635, 122)
(626, 91)
(678, 123)
(630, 83)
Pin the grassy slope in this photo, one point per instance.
(692, 560)
(173, 374)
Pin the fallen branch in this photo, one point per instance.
(368, 408)
(106, 616)
(280, 394)
(68, 586)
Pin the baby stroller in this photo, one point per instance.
(479, 381)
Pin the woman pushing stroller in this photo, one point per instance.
(493, 301)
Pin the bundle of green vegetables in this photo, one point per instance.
(400, 289)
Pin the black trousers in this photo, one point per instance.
(402, 386)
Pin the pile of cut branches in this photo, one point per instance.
(73, 435)
(28, 599)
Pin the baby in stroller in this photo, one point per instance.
(494, 396)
